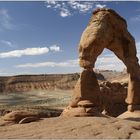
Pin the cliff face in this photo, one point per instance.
(24, 83)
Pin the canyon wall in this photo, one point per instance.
(24, 83)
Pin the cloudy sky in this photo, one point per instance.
(42, 37)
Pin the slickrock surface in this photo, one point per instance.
(74, 127)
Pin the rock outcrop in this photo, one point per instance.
(20, 116)
(106, 29)
(73, 128)
(25, 83)
(112, 98)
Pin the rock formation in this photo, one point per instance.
(20, 117)
(106, 29)
(112, 98)
(25, 83)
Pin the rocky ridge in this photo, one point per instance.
(24, 83)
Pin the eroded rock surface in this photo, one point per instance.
(112, 97)
(26, 83)
(17, 116)
(73, 128)
(106, 29)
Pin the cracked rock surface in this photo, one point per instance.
(73, 127)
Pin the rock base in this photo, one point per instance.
(128, 115)
(81, 112)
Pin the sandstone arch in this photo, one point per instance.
(106, 29)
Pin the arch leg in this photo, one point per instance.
(127, 53)
(133, 95)
(86, 96)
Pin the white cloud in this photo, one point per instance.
(82, 7)
(3, 72)
(138, 50)
(7, 43)
(138, 45)
(104, 62)
(64, 12)
(100, 5)
(27, 51)
(51, 2)
(54, 48)
(68, 8)
(68, 63)
(109, 62)
(5, 20)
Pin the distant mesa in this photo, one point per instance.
(24, 83)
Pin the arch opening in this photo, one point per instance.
(107, 60)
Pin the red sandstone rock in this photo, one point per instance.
(16, 116)
(106, 29)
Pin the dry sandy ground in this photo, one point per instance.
(75, 127)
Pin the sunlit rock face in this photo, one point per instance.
(106, 29)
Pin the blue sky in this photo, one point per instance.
(42, 37)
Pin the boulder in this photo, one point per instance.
(17, 116)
